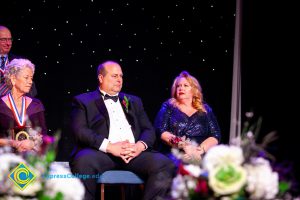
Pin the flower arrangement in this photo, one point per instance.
(238, 171)
(42, 165)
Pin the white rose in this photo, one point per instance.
(227, 179)
(11, 198)
(262, 182)
(179, 190)
(7, 161)
(30, 190)
(194, 170)
(191, 182)
(222, 154)
(71, 188)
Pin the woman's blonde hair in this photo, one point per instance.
(14, 67)
(197, 101)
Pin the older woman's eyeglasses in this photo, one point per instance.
(6, 39)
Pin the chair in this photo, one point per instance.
(120, 177)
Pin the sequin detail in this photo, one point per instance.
(197, 127)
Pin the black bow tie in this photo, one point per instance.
(114, 98)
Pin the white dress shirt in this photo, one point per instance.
(119, 128)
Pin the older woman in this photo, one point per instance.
(22, 120)
(185, 114)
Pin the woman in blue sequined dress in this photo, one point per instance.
(185, 114)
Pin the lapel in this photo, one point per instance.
(101, 106)
(128, 111)
(123, 103)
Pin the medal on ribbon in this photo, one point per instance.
(22, 135)
(20, 118)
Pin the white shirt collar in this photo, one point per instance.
(104, 93)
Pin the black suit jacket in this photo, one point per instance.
(90, 121)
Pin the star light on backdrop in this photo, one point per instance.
(153, 41)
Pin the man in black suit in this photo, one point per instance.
(112, 131)
(6, 57)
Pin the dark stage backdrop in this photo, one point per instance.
(269, 74)
(153, 41)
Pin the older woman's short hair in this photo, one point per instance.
(14, 67)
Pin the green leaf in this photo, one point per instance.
(59, 196)
(283, 187)
(50, 156)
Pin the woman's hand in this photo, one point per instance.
(24, 145)
(167, 137)
(9, 142)
(4, 142)
(192, 152)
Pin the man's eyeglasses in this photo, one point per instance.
(6, 39)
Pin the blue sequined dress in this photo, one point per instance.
(197, 127)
